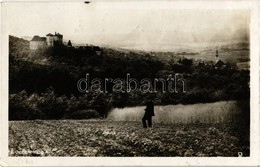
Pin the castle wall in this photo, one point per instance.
(50, 40)
(57, 39)
(42, 42)
(37, 45)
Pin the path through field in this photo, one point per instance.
(111, 138)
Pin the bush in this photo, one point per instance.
(35, 106)
(21, 108)
(50, 106)
(84, 114)
(53, 107)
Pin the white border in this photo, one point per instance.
(253, 160)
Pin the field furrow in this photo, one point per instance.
(122, 138)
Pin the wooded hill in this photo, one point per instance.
(52, 74)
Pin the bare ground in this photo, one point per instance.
(109, 138)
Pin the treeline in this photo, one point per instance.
(49, 105)
(203, 83)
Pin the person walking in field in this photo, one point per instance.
(149, 113)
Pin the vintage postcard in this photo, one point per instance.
(129, 83)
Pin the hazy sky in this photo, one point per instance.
(126, 24)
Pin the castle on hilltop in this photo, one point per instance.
(50, 40)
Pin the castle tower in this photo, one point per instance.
(54, 39)
(50, 39)
(58, 38)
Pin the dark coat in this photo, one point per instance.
(149, 110)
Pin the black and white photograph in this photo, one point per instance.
(130, 79)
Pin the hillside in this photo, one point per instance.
(52, 74)
(235, 53)
(18, 47)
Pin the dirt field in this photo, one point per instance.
(108, 138)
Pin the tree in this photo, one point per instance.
(69, 44)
